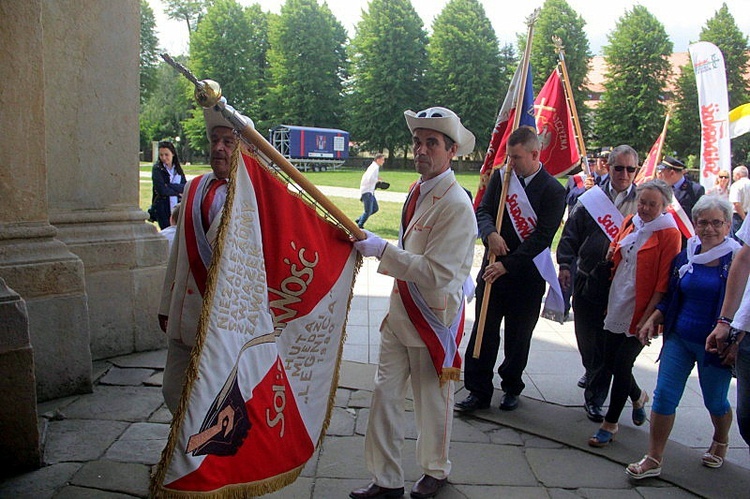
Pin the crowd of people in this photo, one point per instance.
(621, 257)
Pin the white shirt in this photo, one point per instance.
(742, 316)
(739, 192)
(369, 179)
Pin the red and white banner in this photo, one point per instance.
(496, 151)
(681, 218)
(555, 126)
(265, 366)
(713, 103)
(648, 169)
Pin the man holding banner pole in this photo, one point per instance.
(423, 328)
(534, 208)
(190, 257)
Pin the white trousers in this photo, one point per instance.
(178, 359)
(433, 410)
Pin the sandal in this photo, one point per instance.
(714, 460)
(637, 470)
(602, 437)
(639, 409)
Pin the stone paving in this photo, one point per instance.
(104, 444)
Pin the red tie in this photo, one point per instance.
(411, 205)
(208, 200)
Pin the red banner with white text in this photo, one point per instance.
(265, 367)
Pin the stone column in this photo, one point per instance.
(19, 447)
(32, 261)
(91, 54)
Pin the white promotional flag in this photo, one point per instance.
(713, 104)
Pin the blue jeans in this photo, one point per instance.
(677, 360)
(371, 207)
(742, 366)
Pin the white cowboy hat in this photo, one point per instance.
(443, 120)
(213, 119)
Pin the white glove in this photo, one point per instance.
(372, 246)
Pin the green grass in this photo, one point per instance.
(385, 222)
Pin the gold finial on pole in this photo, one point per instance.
(207, 92)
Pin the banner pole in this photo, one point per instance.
(661, 142)
(560, 49)
(482, 319)
(208, 95)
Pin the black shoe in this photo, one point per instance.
(509, 403)
(583, 380)
(593, 412)
(470, 404)
(372, 491)
(427, 486)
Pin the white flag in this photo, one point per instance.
(713, 104)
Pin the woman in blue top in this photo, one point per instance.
(689, 312)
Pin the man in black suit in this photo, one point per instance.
(672, 171)
(517, 286)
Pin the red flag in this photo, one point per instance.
(504, 127)
(648, 169)
(264, 371)
(553, 121)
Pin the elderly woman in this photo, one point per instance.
(688, 313)
(642, 254)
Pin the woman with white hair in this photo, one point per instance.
(642, 254)
(688, 313)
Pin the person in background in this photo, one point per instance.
(729, 337)
(184, 281)
(672, 171)
(721, 187)
(739, 196)
(688, 313)
(367, 189)
(581, 255)
(168, 232)
(642, 254)
(430, 265)
(168, 183)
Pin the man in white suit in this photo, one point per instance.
(419, 336)
(190, 257)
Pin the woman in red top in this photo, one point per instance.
(642, 254)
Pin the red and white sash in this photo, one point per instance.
(603, 211)
(524, 219)
(197, 244)
(442, 341)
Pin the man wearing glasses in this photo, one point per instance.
(584, 242)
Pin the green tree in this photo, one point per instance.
(307, 65)
(149, 51)
(464, 64)
(557, 18)
(722, 31)
(389, 59)
(189, 11)
(167, 107)
(632, 109)
(230, 47)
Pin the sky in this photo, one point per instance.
(682, 19)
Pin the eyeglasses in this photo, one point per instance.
(723, 176)
(716, 223)
(630, 169)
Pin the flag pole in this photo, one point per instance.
(664, 137)
(208, 95)
(530, 21)
(560, 49)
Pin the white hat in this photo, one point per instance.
(443, 120)
(213, 119)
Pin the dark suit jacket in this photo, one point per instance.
(547, 197)
(687, 195)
